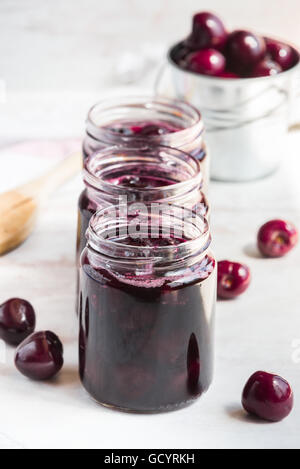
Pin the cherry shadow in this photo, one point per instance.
(238, 413)
(69, 376)
(252, 251)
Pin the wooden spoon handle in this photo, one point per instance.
(46, 184)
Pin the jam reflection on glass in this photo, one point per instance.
(146, 341)
(143, 129)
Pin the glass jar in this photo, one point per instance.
(161, 121)
(139, 174)
(147, 306)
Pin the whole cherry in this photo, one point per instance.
(17, 321)
(268, 397)
(207, 62)
(181, 53)
(233, 279)
(40, 356)
(244, 51)
(276, 238)
(266, 68)
(208, 32)
(281, 53)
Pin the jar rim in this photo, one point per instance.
(179, 109)
(105, 223)
(100, 162)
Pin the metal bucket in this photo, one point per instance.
(247, 120)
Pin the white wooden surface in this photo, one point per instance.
(49, 61)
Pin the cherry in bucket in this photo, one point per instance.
(244, 54)
(206, 62)
(244, 51)
(208, 32)
(266, 68)
(281, 53)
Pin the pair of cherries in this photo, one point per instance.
(275, 239)
(39, 355)
(211, 50)
(266, 396)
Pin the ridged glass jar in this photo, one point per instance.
(147, 306)
(140, 174)
(159, 121)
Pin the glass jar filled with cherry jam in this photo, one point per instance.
(147, 305)
(159, 121)
(144, 174)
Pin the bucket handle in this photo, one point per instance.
(293, 127)
(159, 77)
(294, 124)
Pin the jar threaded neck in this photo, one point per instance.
(179, 173)
(163, 236)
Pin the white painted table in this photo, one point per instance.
(258, 331)
(56, 61)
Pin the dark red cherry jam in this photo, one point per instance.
(140, 182)
(143, 129)
(146, 326)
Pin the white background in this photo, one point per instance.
(65, 45)
(57, 59)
